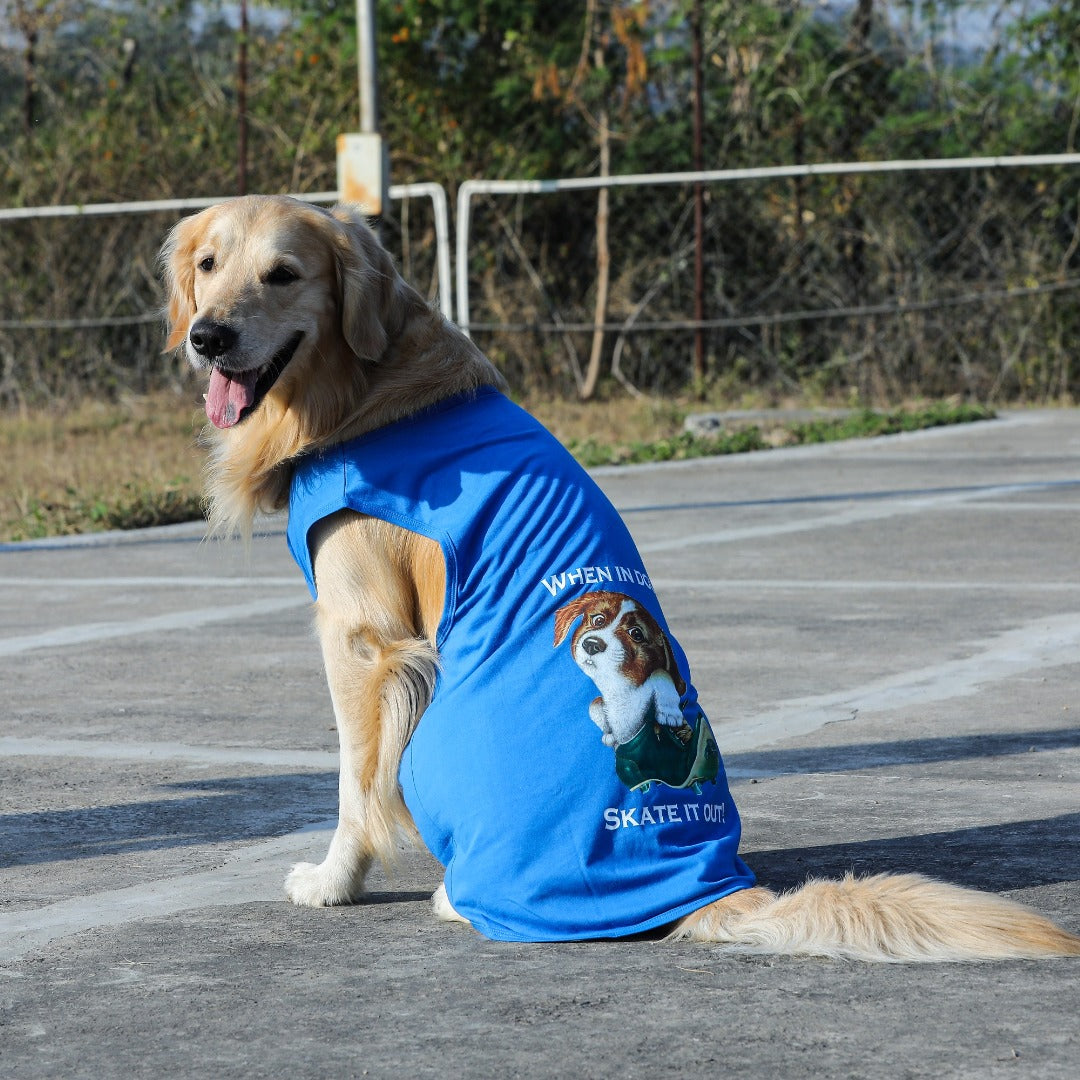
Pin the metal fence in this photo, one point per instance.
(81, 304)
(882, 278)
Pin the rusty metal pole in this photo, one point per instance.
(699, 202)
(363, 166)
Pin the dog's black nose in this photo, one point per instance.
(593, 645)
(211, 339)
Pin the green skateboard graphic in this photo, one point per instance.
(658, 755)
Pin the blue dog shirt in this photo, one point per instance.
(550, 826)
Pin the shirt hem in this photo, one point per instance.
(643, 927)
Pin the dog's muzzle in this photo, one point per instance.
(233, 395)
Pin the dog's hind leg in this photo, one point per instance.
(442, 909)
(381, 668)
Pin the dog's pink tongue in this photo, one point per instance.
(228, 397)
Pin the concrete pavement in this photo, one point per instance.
(885, 634)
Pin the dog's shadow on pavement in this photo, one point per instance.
(995, 857)
(1016, 854)
(843, 758)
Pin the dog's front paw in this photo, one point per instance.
(317, 885)
(670, 716)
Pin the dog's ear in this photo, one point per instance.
(177, 261)
(672, 666)
(567, 615)
(369, 287)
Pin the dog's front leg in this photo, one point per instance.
(379, 689)
(339, 878)
(381, 676)
(598, 715)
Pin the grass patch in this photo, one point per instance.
(137, 463)
(862, 423)
(129, 508)
(100, 466)
(865, 423)
(674, 448)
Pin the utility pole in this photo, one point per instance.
(363, 172)
(699, 202)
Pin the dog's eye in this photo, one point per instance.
(207, 264)
(637, 634)
(597, 621)
(281, 275)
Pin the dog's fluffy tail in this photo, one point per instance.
(886, 918)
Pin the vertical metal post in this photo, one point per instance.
(30, 30)
(365, 54)
(362, 165)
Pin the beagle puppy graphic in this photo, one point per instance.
(621, 647)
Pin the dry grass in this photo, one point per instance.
(612, 421)
(135, 463)
(99, 466)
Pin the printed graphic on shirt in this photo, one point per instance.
(621, 647)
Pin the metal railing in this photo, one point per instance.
(433, 191)
(471, 188)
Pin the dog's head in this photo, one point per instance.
(262, 288)
(618, 635)
(309, 336)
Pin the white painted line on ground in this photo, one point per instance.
(852, 515)
(836, 585)
(151, 582)
(1021, 507)
(250, 874)
(1045, 642)
(153, 624)
(104, 750)
(255, 873)
(296, 582)
(1048, 642)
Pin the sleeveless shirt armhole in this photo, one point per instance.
(446, 546)
(307, 564)
(450, 595)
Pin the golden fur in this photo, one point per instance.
(354, 304)
(370, 352)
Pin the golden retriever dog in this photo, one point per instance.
(337, 391)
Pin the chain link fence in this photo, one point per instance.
(81, 301)
(879, 286)
(876, 285)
